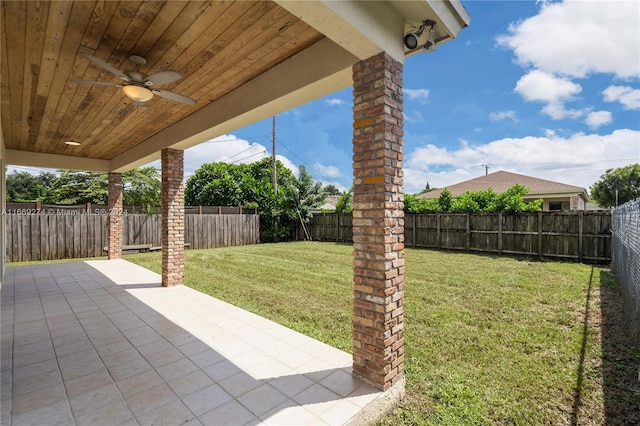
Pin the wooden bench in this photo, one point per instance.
(156, 248)
(140, 248)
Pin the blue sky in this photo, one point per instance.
(547, 89)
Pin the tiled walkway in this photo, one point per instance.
(102, 343)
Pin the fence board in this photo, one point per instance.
(70, 235)
(581, 236)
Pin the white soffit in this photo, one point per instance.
(450, 16)
(364, 28)
(54, 161)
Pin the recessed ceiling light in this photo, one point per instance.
(72, 143)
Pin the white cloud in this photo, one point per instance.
(228, 149)
(420, 95)
(327, 171)
(544, 87)
(503, 115)
(413, 117)
(287, 163)
(579, 159)
(335, 102)
(554, 91)
(626, 95)
(557, 111)
(578, 38)
(596, 119)
(415, 180)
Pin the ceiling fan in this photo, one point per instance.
(137, 85)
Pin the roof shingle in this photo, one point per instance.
(501, 181)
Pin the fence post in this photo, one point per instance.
(468, 231)
(414, 229)
(580, 244)
(500, 233)
(540, 235)
(338, 229)
(438, 236)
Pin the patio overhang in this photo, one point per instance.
(254, 59)
(241, 61)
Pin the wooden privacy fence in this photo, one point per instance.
(583, 236)
(37, 207)
(67, 236)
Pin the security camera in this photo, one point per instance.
(411, 40)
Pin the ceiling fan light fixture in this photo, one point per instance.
(137, 93)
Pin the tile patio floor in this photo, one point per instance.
(102, 343)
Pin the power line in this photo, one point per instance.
(304, 163)
(262, 137)
(264, 151)
(238, 153)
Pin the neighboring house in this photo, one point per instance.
(557, 196)
(328, 206)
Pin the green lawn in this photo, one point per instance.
(488, 340)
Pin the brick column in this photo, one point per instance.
(378, 222)
(172, 217)
(114, 216)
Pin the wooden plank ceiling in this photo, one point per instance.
(216, 45)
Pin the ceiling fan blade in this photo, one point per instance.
(162, 77)
(174, 96)
(97, 83)
(102, 64)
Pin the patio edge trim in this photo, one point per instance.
(382, 405)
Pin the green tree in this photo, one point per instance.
(413, 204)
(427, 188)
(345, 202)
(142, 187)
(625, 180)
(445, 200)
(332, 190)
(75, 187)
(307, 194)
(511, 200)
(250, 185)
(23, 186)
(215, 184)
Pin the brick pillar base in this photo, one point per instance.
(378, 222)
(172, 217)
(114, 216)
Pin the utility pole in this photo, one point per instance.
(274, 176)
(486, 168)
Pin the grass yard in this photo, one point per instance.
(488, 340)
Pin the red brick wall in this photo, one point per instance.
(114, 217)
(378, 222)
(172, 217)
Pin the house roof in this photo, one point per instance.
(242, 61)
(501, 181)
